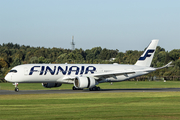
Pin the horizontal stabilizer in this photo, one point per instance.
(168, 65)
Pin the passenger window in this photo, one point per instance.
(14, 71)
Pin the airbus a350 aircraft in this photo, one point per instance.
(82, 75)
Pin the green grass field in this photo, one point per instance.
(121, 105)
(134, 106)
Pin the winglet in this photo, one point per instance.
(147, 56)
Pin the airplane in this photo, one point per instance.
(82, 75)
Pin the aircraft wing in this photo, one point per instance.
(103, 75)
(112, 74)
(69, 77)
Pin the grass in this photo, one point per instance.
(136, 106)
(114, 106)
(115, 85)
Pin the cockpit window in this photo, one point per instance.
(13, 71)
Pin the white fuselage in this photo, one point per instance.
(62, 73)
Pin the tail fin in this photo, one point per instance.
(147, 56)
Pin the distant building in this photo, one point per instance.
(112, 59)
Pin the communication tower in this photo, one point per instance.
(72, 43)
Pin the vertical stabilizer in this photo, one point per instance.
(147, 56)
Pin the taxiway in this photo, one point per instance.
(12, 92)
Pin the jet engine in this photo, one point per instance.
(84, 82)
(50, 85)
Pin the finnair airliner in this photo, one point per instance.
(82, 75)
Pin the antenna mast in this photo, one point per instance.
(72, 43)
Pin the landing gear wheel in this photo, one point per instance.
(74, 88)
(98, 88)
(17, 89)
(95, 89)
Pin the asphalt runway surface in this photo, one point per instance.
(12, 92)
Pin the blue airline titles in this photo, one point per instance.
(57, 69)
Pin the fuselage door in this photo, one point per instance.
(26, 71)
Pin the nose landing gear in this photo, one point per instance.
(16, 87)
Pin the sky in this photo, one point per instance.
(112, 24)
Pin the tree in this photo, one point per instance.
(174, 54)
(90, 56)
(34, 60)
(16, 62)
(62, 58)
(3, 63)
(104, 54)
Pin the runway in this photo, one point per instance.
(12, 92)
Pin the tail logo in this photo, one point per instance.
(147, 54)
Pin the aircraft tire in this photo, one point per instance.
(98, 88)
(74, 88)
(17, 89)
(95, 89)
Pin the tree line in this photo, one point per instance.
(14, 54)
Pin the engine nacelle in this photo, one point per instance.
(50, 85)
(84, 82)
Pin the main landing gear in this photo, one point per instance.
(90, 89)
(95, 89)
(74, 88)
(16, 87)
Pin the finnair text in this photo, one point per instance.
(67, 70)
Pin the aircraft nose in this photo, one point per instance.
(7, 77)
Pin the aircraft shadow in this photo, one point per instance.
(143, 89)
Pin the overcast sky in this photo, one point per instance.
(112, 24)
